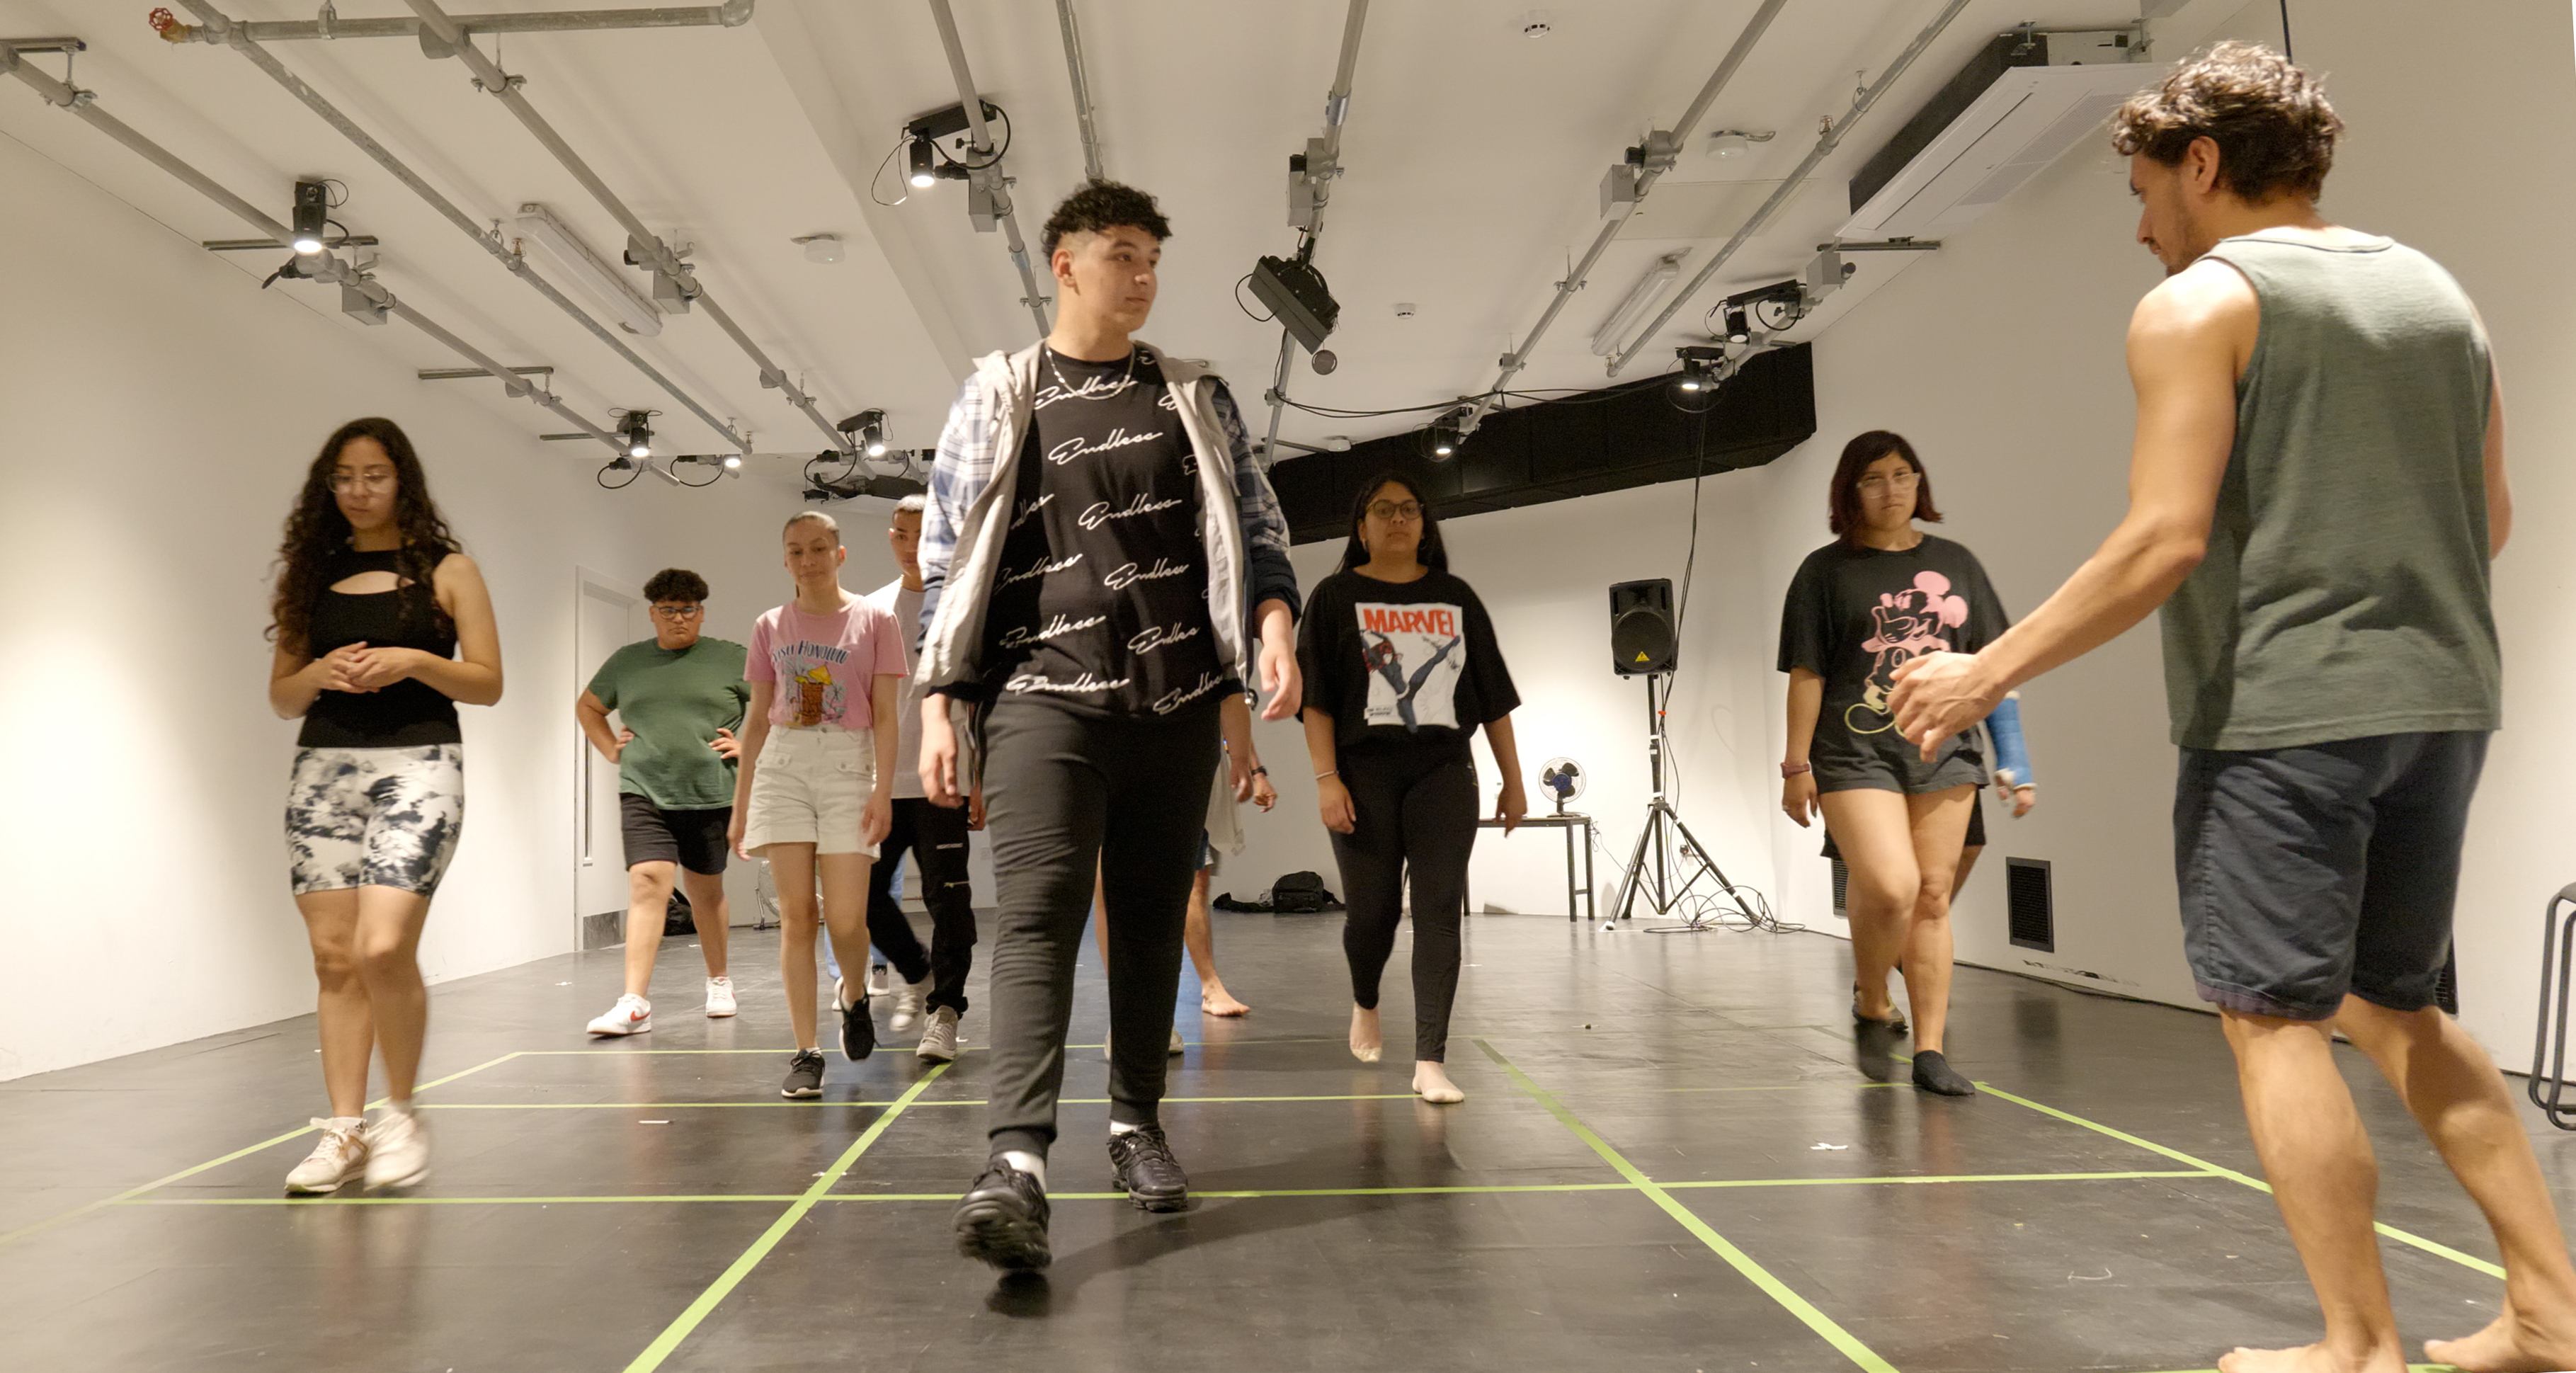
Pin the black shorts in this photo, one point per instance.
(2312, 872)
(1976, 827)
(694, 839)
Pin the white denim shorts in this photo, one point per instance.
(811, 786)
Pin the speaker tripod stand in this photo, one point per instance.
(1655, 865)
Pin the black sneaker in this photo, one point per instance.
(804, 1075)
(1145, 1167)
(858, 1028)
(1002, 1220)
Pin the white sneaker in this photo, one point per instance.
(398, 1149)
(719, 997)
(632, 1015)
(939, 1037)
(907, 1005)
(339, 1158)
(880, 980)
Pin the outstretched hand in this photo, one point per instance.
(1939, 695)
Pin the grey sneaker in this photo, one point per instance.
(908, 998)
(340, 1158)
(804, 1076)
(939, 1037)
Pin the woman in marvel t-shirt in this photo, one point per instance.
(1401, 669)
(1882, 593)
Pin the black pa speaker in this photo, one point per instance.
(1641, 627)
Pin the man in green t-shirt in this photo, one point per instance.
(678, 698)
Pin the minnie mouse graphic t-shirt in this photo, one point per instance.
(1402, 662)
(1854, 613)
(1100, 604)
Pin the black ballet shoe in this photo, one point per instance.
(1933, 1073)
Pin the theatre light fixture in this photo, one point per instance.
(867, 430)
(312, 214)
(636, 429)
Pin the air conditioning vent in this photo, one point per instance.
(1842, 889)
(2031, 906)
(2021, 104)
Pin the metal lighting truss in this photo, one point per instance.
(331, 26)
(1082, 113)
(235, 36)
(360, 295)
(988, 191)
(1311, 193)
(1832, 137)
(673, 281)
(1660, 150)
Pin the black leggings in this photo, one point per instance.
(1066, 793)
(936, 838)
(1411, 806)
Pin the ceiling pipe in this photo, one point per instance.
(1323, 165)
(733, 14)
(490, 240)
(1519, 357)
(324, 266)
(663, 261)
(987, 180)
(1091, 166)
(1833, 136)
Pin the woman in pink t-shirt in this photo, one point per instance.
(823, 668)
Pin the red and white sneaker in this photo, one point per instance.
(632, 1015)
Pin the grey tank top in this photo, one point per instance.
(2344, 594)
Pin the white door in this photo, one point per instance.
(606, 618)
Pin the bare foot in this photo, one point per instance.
(1365, 1043)
(1431, 1081)
(2314, 1358)
(2510, 1345)
(1214, 999)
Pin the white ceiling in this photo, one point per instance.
(1473, 158)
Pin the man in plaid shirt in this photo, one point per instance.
(1104, 564)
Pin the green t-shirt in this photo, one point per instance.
(675, 702)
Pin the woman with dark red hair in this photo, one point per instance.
(1882, 593)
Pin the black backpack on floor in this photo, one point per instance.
(1301, 893)
(677, 918)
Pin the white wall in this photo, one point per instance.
(156, 414)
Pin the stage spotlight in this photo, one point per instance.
(312, 213)
(637, 430)
(925, 172)
(866, 429)
(1739, 324)
(1694, 388)
(1441, 440)
(733, 462)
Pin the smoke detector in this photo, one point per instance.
(1405, 309)
(1537, 24)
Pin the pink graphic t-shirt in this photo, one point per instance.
(823, 665)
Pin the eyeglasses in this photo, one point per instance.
(678, 612)
(370, 481)
(1391, 511)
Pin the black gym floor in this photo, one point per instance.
(1672, 1157)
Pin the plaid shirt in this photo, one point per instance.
(966, 466)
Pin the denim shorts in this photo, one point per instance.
(2313, 872)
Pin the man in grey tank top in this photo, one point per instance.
(2315, 492)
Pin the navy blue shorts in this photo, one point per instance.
(2329, 869)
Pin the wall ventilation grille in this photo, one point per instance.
(2031, 904)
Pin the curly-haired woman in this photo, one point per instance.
(381, 627)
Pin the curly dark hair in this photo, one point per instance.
(2275, 132)
(316, 532)
(1102, 205)
(675, 584)
(1431, 553)
(1842, 497)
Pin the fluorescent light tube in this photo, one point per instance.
(606, 284)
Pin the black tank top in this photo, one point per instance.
(407, 714)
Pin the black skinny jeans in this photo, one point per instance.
(936, 838)
(1411, 805)
(1066, 794)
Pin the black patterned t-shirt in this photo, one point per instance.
(1100, 602)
